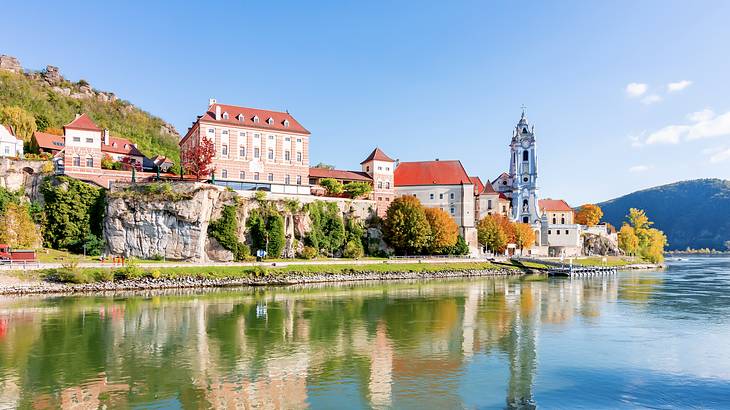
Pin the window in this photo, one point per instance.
(211, 131)
(562, 221)
(299, 157)
(242, 151)
(256, 119)
(299, 179)
(489, 204)
(387, 185)
(89, 162)
(224, 132)
(557, 231)
(271, 177)
(256, 152)
(525, 219)
(241, 133)
(7, 150)
(225, 115)
(77, 139)
(270, 121)
(430, 196)
(299, 140)
(453, 210)
(242, 175)
(286, 123)
(255, 176)
(90, 140)
(271, 154)
(380, 198)
(287, 156)
(224, 173)
(387, 168)
(241, 118)
(414, 195)
(287, 139)
(380, 185)
(224, 150)
(554, 220)
(256, 136)
(77, 161)
(550, 231)
(525, 156)
(451, 195)
(271, 137)
(367, 168)
(380, 168)
(441, 196)
(287, 180)
(566, 231)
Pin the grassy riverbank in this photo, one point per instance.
(72, 274)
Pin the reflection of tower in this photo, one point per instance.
(471, 306)
(523, 353)
(381, 369)
(523, 172)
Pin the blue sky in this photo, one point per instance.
(424, 80)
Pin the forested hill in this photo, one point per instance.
(53, 101)
(691, 213)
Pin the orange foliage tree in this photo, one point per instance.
(589, 214)
(524, 236)
(444, 231)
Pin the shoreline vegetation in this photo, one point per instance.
(75, 279)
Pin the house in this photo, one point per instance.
(162, 162)
(10, 146)
(255, 149)
(43, 142)
(492, 202)
(558, 235)
(441, 184)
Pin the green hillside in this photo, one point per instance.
(692, 214)
(55, 102)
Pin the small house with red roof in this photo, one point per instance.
(10, 146)
(441, 184)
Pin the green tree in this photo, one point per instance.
(23, 122)
(460, 248)
(444, 231)
(358, 189)
(490, 233)
(353, 249)
(225, 231)
(405, 226)
(327, 230)
(332, 186)
(266, 228)
(73, 210)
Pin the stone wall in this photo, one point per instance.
(22, 174)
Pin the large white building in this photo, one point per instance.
(10, 146)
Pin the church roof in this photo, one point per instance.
(554, 205)
(377, 155)
(83, 122)
(431, 173)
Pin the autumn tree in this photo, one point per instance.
(627, 240)
(524, 236)
(196, 160)
(444, 231)
(490, 233)
(650, 242)
(508, 227)
(405, 226)
(22, 122)
(331, 185)
(17, 228)
(589, 215)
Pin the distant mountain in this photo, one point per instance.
(54, 101)
(691, 213)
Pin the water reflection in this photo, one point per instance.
(452, 344)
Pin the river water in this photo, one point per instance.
(636, 339)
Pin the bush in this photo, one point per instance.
(354, 250)
(308, 252)
(129, 272)
(224, 230)
(70, 272)
(103, 275)
(331, 185)
(155, 274)
(358, 189)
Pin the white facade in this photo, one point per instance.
(523, 173)
(9, 145)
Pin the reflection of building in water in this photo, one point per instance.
(381, 369)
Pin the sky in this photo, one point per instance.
(624, 95)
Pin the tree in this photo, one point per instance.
(589, 215)
(266, 227)
(358, 189)
(17, 228)
(491, 234)
(73, 210)
(444, 231)
(627, 240)
(654, 251)
(196, 160)
(405, 226)
(460, 248)
(638, 219)
(524, 236)
(22, 122)
(322, 165)
(353, 249)
(508, 227)
(327, 230)
(333, 186)
(107, 162)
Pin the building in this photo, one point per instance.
(441, 184)
(558, 234)
(254, 149)
(43, 142)
(523, 172)
(492, 202)
(10, 146)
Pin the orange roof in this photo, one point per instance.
(553, 205)
(248, 114)
(339, 174)
(377, 155)
(83, 122)
(49, 141)
(121, 146)
(478, 185)
(431, 173)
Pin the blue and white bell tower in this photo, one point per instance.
(523, 172)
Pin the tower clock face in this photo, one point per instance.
(525, 144)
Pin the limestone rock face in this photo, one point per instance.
(175, 229)
(52, 75)
(215, 252)
(10, 63)
(600, 245)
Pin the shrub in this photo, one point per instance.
(266, 227)
(308, 252)
(354, 250)
(155, 274)
(331, 185)
(129, 272)
(47, 167)
(358, 189)
(104, 275)
(327, 228)
(70, 272)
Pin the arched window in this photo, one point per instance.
(525, 156)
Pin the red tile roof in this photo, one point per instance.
(377, 155)
(123, 146)
(478, 185)
(83, 122)
(278, 123)
(49, 141)
(339, 174)
(488, 189)
(553, 205)
(431, 173)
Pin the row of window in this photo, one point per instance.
(271, 155)
(381, 185)
(380, 168)
(257, 177)
(256, 136)
(441, 196)
(77, 161)
(557, 232)
(89, 140)
(255, 119)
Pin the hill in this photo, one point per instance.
(692, 214)
(53, 101)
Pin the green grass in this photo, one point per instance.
(47, 255)
(89, 275)
(610, 261)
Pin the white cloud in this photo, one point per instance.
(670, 134)
(637, 140)
(678, 86)
(713, 127)
(636, 89)
(639, 168)
(699, 116)
(720, 156)
(651, 99)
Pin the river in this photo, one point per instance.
(658, 339)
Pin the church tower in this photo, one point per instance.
(523, 173)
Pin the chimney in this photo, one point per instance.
(211, 101)
(77, 116)
(105, 136)
(437, 159)
(217, 112)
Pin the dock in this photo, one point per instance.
(554, 268)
